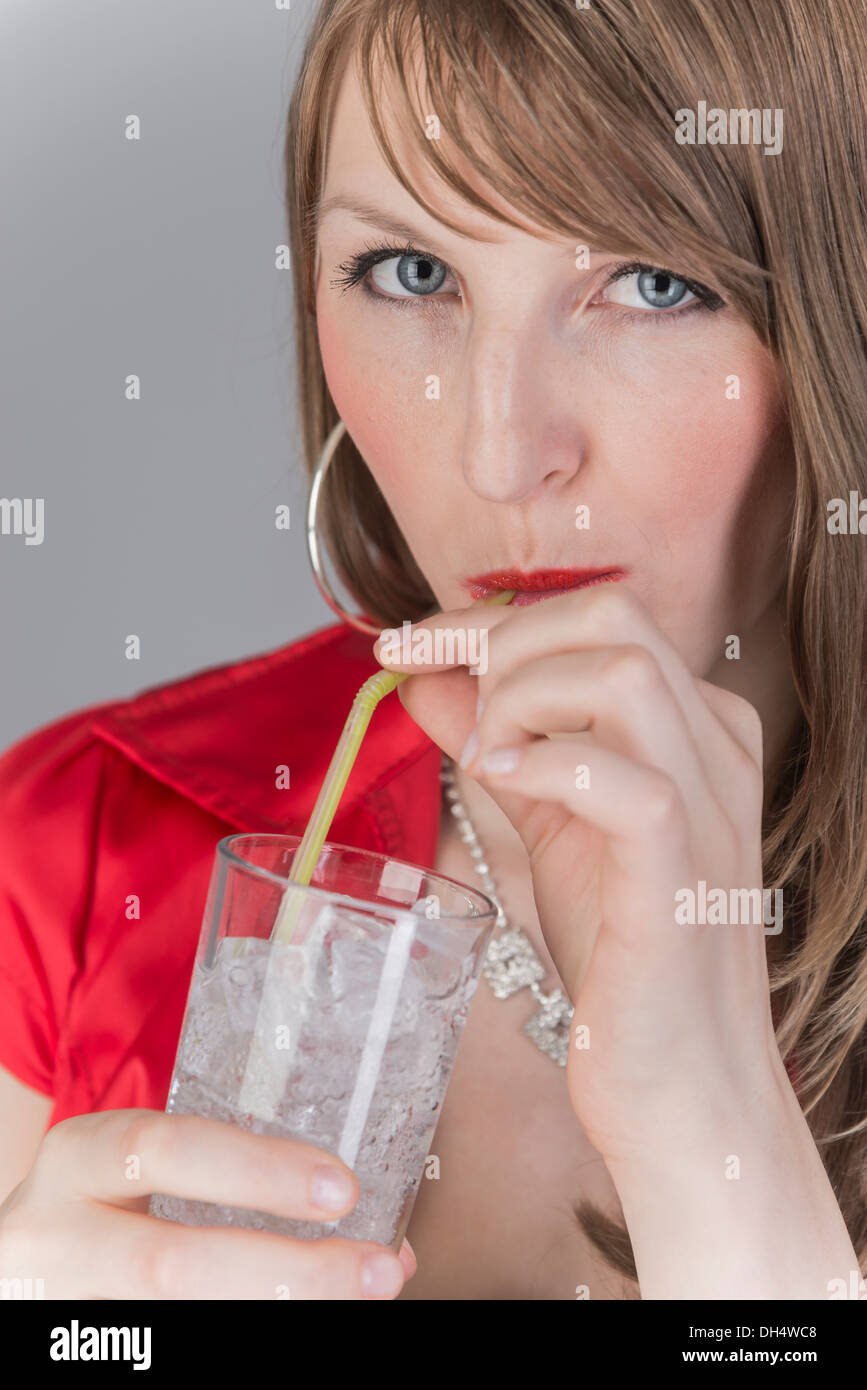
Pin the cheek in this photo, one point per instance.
(703, 483)
(704, 456)
(373, 396)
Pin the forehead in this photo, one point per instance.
(355, 166)
(351, 140)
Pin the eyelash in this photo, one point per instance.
(355, 270)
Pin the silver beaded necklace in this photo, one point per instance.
(511, 963)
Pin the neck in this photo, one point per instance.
(763, 676)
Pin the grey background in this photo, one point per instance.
(153, 257)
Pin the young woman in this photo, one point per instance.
(596, 334)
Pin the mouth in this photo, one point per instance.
(534, 585)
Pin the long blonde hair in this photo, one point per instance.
(570, 114)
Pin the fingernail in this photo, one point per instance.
(330, 1189)
(384, 648)
(470, 748)
(501, 760)
(381, 1275)
(406, 1255)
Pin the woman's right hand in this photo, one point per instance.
(79, 1223)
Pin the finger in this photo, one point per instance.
(448, 648)
(129, 1256)
(444, 705)
(639, 808)
(441, 642)
(602, 616)
(119, 1155)
(621, 696)
(724, 727)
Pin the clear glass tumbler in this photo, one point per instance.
(344, 1036)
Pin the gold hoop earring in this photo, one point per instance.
(316, 565)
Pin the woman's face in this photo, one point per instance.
(493, 389)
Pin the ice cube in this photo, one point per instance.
(242, 964)
(445, 964)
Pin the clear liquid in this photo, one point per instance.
(235, 1064)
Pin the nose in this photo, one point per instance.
(523, 434)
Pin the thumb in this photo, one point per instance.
(443, 704)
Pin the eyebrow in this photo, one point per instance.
(380, 217)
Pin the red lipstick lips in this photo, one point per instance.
(533, 585)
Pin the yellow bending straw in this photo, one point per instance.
(342, 760)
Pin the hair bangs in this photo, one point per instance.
(575, 154)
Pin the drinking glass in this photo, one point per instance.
(344, 1036)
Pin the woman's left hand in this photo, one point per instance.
(672, 1028)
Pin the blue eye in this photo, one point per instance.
(400, 268)
(645, 287)
(660, 290)
(418, 274)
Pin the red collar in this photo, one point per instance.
(219, 737)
